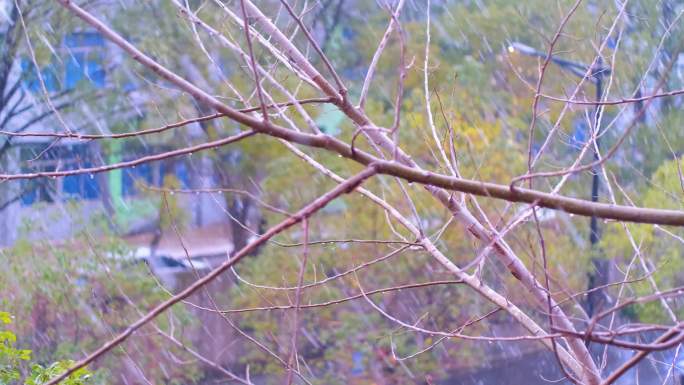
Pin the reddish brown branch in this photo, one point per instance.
(156, 130)
(348, 186)
(132, 163)
(570, 205)
(616, 101)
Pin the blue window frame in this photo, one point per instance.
(181, 172)
(81, 187)
(32, 81)
(86, 186)
(29, 197)
(83, 58)
(84, 39)
(140, 174)
(68, 157)
(152, 174)
(85, 61)
(71, 185)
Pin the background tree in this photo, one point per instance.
(467, 167)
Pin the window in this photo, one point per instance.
(80, 187)
(37, 191)
(32, 81)
(85, 59)
(35, 158)
(134, 175)
(181, 172)
(152, 174)
(67, 157)
(82, 58)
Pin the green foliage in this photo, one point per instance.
(10, 356)
(667, 186)
(11, 360)
(40, 375)
(481, 110)
(75, 314)
(170, 213)
(662, 246)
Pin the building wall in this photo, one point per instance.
(70, 204)
(9, 190)
(63, 220)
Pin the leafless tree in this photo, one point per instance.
(554, 318)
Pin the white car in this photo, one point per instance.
(161, 263)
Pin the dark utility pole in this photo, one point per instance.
(601, 266)
(599, 274)
(594, 234)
